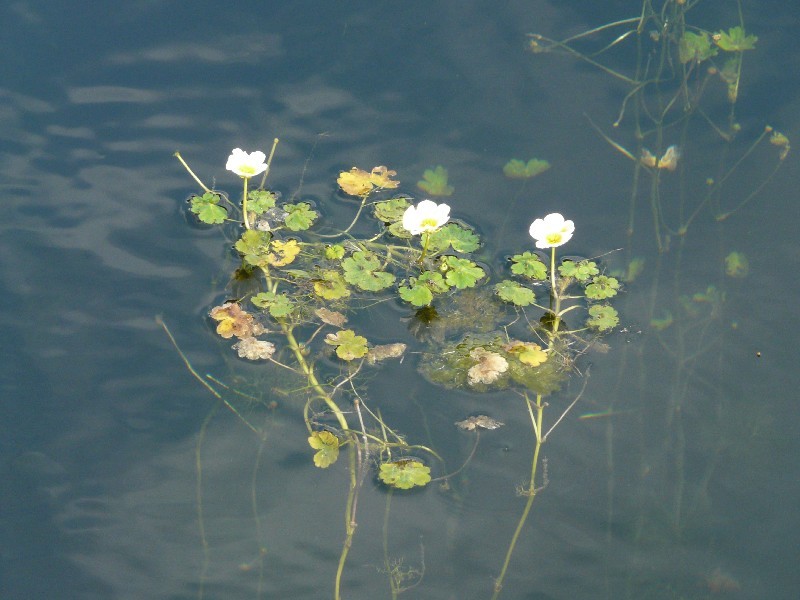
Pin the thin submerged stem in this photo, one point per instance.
(536, 421)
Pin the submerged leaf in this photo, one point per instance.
(327, 446)
(382, 352)
(736, 265)
(519, 169)
(479, 421)
(253, 349)
(489, 366)
(434, 181)
(735, 40)
(695, 47)
(330, 317)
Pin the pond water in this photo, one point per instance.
(675, 475)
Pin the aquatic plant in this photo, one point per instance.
(301, 287)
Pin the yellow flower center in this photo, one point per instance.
(428, 224)
(554, 238)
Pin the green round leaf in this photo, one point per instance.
(513, 292)
(529, 265)
(404, 474)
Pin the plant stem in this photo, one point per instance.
(536, 421)
(427, 238)
(244, 205)
(195, 177)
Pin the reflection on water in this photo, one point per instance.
(100, 419)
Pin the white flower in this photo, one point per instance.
(246, 165)
(551, 231)
(425, 217)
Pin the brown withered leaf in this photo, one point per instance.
(385, 351)
(489, 367)
(482, 421)
(253, 349)
(358, 182)
(331, 317)
(233, 321)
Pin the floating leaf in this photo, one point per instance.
(331, 286)
(489, 366)
(695, 47)
(420, 290)
(479, 421)
(581, 271)
(260, 201)
(434, 181)
(253, 349)
(517, 294)
(737, 265)
(300, 216)
(602, 317)
(461, 272)
(357, 182)
(285, 252)
(454, 236)
(361, 270)
(207, 208)
(384, 351)
(331, 317)
(391, 211)
(278, 305)
(381, 177)
(602, 287)
(349, 346)
(529, 265)
(334, 252)
(417, 294)
(397, 230)
(519, 169)
(404, 474)
(254, 247)
(327, 446)
(528, 353)
(233, 321)
(735, 40)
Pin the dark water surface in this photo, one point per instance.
(689, 491)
